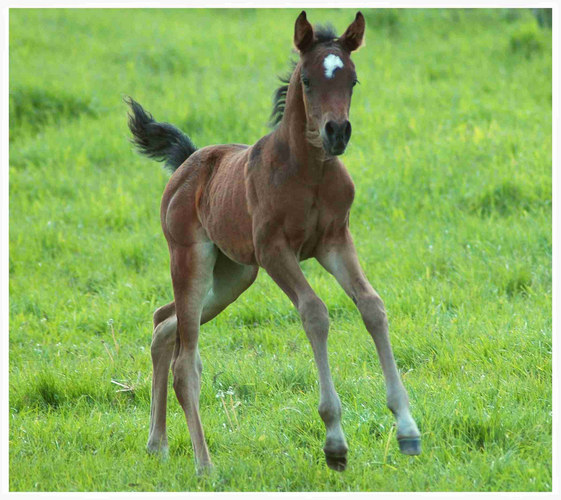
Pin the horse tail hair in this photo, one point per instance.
(160, 141)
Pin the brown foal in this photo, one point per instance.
(230, 209)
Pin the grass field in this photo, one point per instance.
(451, 157)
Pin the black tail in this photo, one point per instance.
(160, 141)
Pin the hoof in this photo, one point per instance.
(410, 446)
(162, 451)
(205, 469)
(338, 463)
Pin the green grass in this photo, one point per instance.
(451, 157)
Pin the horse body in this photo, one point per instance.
(229, 210)
(310, 197)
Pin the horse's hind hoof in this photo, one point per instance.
(204, 469)
(410, 446)
(336, 463)
(159, 451)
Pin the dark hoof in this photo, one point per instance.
(336, 463)
(410, 446)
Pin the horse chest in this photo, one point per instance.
(307, 228)
(301, 226)
(308, 213)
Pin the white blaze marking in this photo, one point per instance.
(331, 63)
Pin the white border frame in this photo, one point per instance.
(4, 224)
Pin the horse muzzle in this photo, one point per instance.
(335, 136)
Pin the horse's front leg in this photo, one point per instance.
(283, 266)
(339, 257)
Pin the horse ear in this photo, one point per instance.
(353, 38)
(303, 33)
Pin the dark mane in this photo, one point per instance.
(279, 97)
(324, 33)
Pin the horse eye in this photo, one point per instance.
(355, 81)
(306, 82)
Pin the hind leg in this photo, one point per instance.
(191, 275)
(163, 342)
(229, 281)
(163, 313)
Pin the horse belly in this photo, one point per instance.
(232, 235)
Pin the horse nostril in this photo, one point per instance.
(330, 129)
(348, 130)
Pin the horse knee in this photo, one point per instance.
(315, 317)
(373, 312)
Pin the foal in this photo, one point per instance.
(230, 209)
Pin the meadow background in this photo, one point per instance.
(451, 157)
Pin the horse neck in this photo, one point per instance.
(304, 142)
